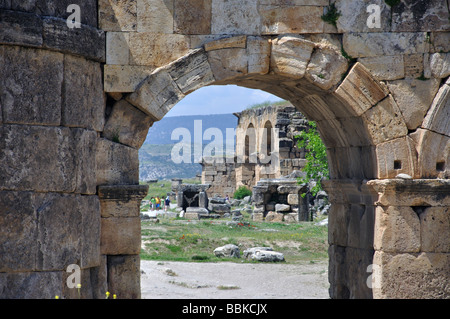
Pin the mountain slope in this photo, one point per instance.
(155, 156)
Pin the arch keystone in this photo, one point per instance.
(290, 55)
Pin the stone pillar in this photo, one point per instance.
(412, 238)
(121, 237)
(350, 235)
(52, 108)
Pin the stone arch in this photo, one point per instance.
(56, 162)
(366, 135)
(347, 105)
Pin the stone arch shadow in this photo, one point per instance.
(358, 119)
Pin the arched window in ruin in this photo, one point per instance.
(266, 145)
(250, 144)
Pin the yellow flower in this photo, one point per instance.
(114, 296)
(107, 294)
(56, 297)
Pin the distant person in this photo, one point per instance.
(166, 203)
(153, 203)
(157, 202)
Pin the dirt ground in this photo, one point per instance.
(184, 280)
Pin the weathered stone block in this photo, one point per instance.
(415, 192)
(433, 153)
(431, 15)
(385, 121)
(338, 220)
(192, 16)
(385, 67)
(31, 285)
(117, 15)
(413, 98)
(293, 199)
(156, 95)
(228, 63)
(19, 233)
(326, 67)
(434, 229)
(59, 9)
(152, 49)
(355, 16)
(116, 163)
(121, 200)
(85, 41)
(290, 55)
(291, 19)
(360, 90)
(192, 72)
(30, 86)
(84, 100)
(124, 276)
(117, 48)
(69, 230)
(227, 43)
(127, 125)
(155, 16)
(20, 28)
(360, 45)
(120, 235)
(397, 229)
(62, 229)
(274, 217)
(420, 275)
(235, 17)
(441, 41)
(437, 117)
(124, 78)
(258, 50)
(396, 157)
(37, 158)
(413, 65)
(85, 146)
(440, 65)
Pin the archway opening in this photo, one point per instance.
(301, 247)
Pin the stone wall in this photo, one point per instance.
(220, 173)
(69, 196)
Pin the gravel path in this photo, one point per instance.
(227, 280)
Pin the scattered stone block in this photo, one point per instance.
(229, 250)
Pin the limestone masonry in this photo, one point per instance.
(76, 105)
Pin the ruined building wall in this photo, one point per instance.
(282, 123)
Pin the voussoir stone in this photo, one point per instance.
(290, 55)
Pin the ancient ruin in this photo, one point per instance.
(77, 99)
(265, 148)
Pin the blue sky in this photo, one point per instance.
(220, 99)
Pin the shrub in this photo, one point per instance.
(316, 167)
(242, 192)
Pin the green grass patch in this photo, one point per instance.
(195, 241)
